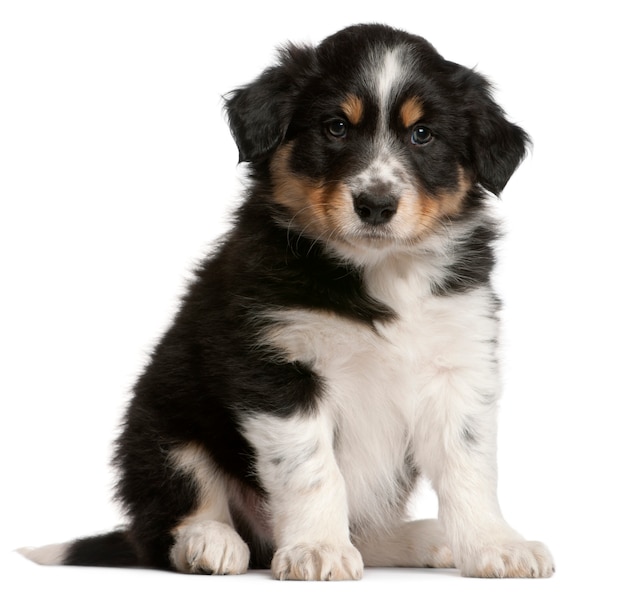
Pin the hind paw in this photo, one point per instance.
(209, 547)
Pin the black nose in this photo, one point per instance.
(375, 209)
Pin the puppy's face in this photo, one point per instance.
(365, 158)
(372, 139)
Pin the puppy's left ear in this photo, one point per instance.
(497, 146)
(260, 113)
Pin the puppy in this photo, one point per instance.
(341, 340)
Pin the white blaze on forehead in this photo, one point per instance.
(389, 74)
(386, 75)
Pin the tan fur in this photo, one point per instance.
(411, 112)
(353, 109)
(317, 208)
(436, 208)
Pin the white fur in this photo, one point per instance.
(412, 544)
(386, 169)
(318, 561)
(422, 386)
(50, 555)
(388, 77)
(206, 546)
(307, 497)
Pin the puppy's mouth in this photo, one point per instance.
(366, 235)
(383, 233)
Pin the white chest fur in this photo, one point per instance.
(396, 394)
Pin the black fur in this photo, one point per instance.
(110, 549)
(285, 99)
(474, 263)
(209, 368)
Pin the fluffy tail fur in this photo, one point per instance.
(110, 549)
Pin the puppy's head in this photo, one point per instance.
(372, 138)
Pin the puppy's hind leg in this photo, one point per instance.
(418, 544)
(205, 541)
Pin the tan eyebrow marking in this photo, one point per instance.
(411, 112)
(353, 108)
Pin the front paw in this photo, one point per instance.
(322, 562)
(514, 559)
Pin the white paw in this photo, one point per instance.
(514, 559)
(209, 547)
(439, 557)
(323, 562)
(430, 544)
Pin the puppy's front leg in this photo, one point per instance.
(483, 543)
(306, 498)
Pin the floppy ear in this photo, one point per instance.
(497, 146)
(260, 113)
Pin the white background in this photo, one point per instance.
(117, 171)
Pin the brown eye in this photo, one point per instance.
(337, 128)
(421, 135)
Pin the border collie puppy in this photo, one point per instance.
(340, 341)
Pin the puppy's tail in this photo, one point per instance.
(110, 549)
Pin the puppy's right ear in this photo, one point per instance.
(260, 113)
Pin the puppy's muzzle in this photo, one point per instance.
(375, 209)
